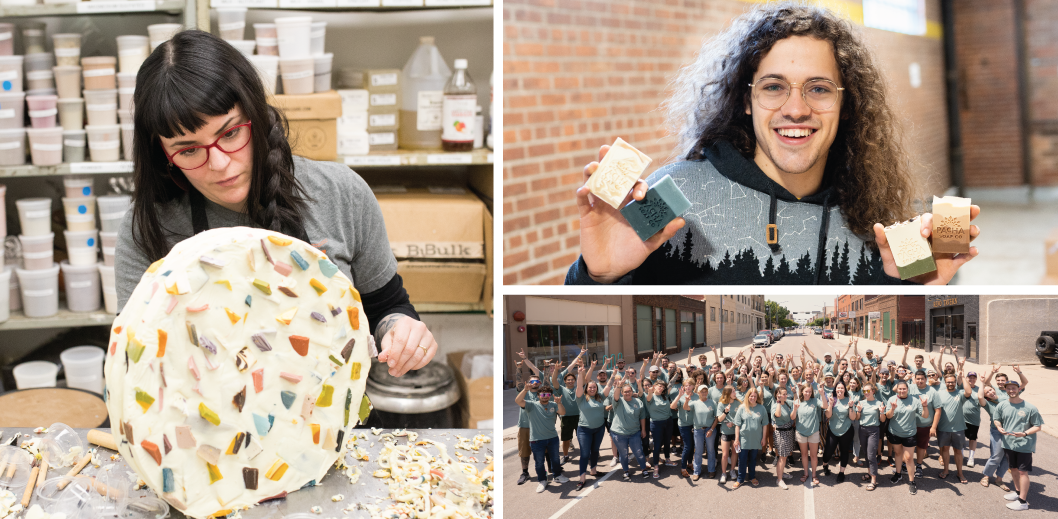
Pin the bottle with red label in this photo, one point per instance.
(459, 110)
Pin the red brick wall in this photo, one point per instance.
(579, 73)
(1042, 42)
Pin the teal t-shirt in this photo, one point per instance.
(684, 418)
(740, 395)
(808, 417)
(886, 390)
(904, 422)
(627, 415)
(751, 422)
(704, 412)
(715, 393)
(873, 361)
(931, 395)
(1018, 418)
(971, 408)
(839, 417)
(592, 412)
(766, 398)
(784, 420)
(674, 392)
(828, 367)
(728, 410)
(523, 416)
(658, 407)
(951, 410)
(569, 401)
(990, 408)
(541, 420)
(871, 413)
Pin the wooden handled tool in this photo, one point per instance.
(30, 485)
(43, 476)
(102, 439)
(76, 470)
(3, 466)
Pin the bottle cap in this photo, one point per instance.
(461, 63)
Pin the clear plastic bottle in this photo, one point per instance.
(422, 95)
(459, 110)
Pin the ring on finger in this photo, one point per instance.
(425, 350)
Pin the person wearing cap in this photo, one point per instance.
(676, 381)
(933, 379)
(997, 463)
(870, 414)
(533, 385)
(926, 425)
(704, 416)
(972, 413)
(1018, 421)
(685, 423)
(782, 416)
(1001, 380)
(765, 390)
(630, 429)
(903, 412)
(952, 427)
(655, 396)
(806, 414)
(619, 367)
(750, 419)
(590, 422)
(543, 438)
(827, 361)
(874, 361)
(608, 401)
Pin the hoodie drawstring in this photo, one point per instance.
(823, 229)
(772, 234)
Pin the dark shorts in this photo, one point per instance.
(971, 431)
(922, 437)
(609, 423)
(727, 437)
(908, 442)
(1019, 460)
(569, 427)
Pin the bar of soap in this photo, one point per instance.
(951, 225)
(910, 250)
(661, 205)
(617, 173)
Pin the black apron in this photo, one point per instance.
(200, 222)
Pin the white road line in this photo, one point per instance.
(582, 495)
(810, 501)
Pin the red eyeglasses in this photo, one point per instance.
(193, 157)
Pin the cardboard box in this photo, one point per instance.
(313, 123)
(441, 238)
(1050, 252)
(475, 400)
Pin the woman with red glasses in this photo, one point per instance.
(210, 152)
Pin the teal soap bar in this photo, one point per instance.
(661, 205)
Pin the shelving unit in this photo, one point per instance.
(63, 319)
(97, 7)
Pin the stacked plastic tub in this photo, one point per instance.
(12, 101)
(80, 272)
(112, 210)
(292, 47)
(39, 278)
(5, 273)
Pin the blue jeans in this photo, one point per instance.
(747, 459)
(688, 446)
(547, 448)
(589, 441)
(661, 432)
(633, 441)
(710, 447)
(997, 461)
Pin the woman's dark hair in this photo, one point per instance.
(193, 76)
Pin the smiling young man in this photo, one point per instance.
(791, 158)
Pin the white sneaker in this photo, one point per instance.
(1013, 496)
(734, 473)
(723, 477)
(540, 487)
(1017, 505)
(783, 485)
(561, 479)
(613, 462)
(970, 461)
(787, 476)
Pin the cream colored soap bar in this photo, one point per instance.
(617, 173)
(910, 250)
(237, 369)
(951, 224)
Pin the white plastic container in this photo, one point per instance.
(106, 275)
(45, 145)
(84, 364)
(422, 94)
(294, 35)
(71, 113)
(101, 107)
(79, 205)
(12, 153)
(318, 37)
(231, 22)
(3, 214)
(68, 81)
(38, 61)
(40, 291)
(268, 68)
(82, 247)
(83, 292)
(126, 89)
(33, 38)
(11, 73)
(74, 143)
(321, 69)
(99, 72)
(298, 75)
(38, 252)
(14, 297)
(12, 109)
(104, 143)
(40, 79)
(132, 51)
(162, 32)
(7, 31)
(67, 48)
(245, 47)
(42, 110)
(77, 186)
(125, 116)
(5, 295)
(112, 210)
(35, 216)
(110, 292)
(267, 42)
(109, 244)
(36, 373)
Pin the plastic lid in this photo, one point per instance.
(461, 63)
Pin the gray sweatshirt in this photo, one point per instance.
(343, 220)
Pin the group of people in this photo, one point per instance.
(723, 419)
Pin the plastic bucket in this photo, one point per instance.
(12, 153)
(12, 109)
(71, 114)
(126, 89)
(14, 297)
(246, 47)
(321, 69)
(112, 210)
(42, 110)
(294, 34)
(128, 132)
(265, 35)
(45, 146)
(84, 362)
(125, 116)
(10, 72)
(40, 79)
(268, 68)
(7, 37)
(35, 216)
(67, 49)
(101, 107)
(40, 291)
(99, 72)
(38, 252)
(68, 81)
(83, 292)
(110, 292)
(298, 75)
(77, 186)
(231, 22)
(79, 205)
(109, 242)
(132, 50)
(106, 276)
(162, 32)
(36, 373)
(82, 247)
(73, 145)
(104, 143)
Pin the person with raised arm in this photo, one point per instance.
(782, 416)
(870, 413)
(806, 413)
(685, 422)
(997, 463)
(1018, 421)
(567, 392)
(656, 398)
(749, 421)
(840, 415)
(704, 415)
(726, 409)
(591, 421)
(765, 392)
(533, 385)
(926, 426)
(630, 429)
(903, 412)
(543, 438)
(952, 427)
(972, 413)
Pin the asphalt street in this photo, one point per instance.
(610, 496)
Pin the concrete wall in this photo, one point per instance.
(1011, 324)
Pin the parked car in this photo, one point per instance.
(761, 341)
(828, 334)
(1046, 349)
(771, 336)
(818, 330)
(778, 333)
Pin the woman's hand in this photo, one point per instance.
(406, 344)
(610, 247)
(947, 264)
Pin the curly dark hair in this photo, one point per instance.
(868, 165)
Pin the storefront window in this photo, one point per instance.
(659, 328)
(543, 344)
(957, 333)
(699, 327)
(644, 343)
(670, 328)
(712, 314)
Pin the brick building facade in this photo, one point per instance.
(852, 316)
(899, 319)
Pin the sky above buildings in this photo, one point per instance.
(802, 303)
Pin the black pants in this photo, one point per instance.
(834, 442)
